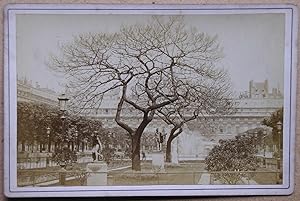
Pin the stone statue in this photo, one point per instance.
(159, 137)
(97, 149)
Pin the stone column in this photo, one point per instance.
(97, 173)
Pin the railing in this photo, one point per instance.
(116, 178)
(51, 178)
(44, 162)
(35, 162)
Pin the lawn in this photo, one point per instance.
(266, 177)
(185, 173)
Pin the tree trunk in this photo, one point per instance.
(49, 146)
(23, 145)
(136, 162)
(168, 150)
(136, 143)
(171, 137)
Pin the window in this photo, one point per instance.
(221, 129)
(229, 129)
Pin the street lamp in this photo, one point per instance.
(48, 136)
(77, 140)
(62, 101)
(256, 140)
(264, 140)
(49, 145)
(279, 130)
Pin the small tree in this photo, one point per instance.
(214, 98)
(271, 122)
(64, 156)
(233, 155)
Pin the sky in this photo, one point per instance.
(253, 45)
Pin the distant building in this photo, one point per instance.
(28, 92)
(261, 90)
(251, 109)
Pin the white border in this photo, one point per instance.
(155, 190)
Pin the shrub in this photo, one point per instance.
(231, 158)
(64, 156)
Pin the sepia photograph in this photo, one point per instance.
(137, 99)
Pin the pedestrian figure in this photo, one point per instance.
(143, 156)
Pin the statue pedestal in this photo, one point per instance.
(97, 173)
(158, 162)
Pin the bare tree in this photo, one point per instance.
(152, 65)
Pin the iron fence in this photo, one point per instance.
(38, 162)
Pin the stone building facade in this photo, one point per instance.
(199, 136)
(29, 92)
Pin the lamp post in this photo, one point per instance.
(77, 140)
(279, 130)
(49, 146)
(83, 143)
(255, 140)
(264, 141)
(48, 136)
(62, 100)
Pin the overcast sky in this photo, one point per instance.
(253, 44)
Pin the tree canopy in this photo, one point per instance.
(151, 65)
(272, 121)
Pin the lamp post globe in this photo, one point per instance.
(62, 100)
